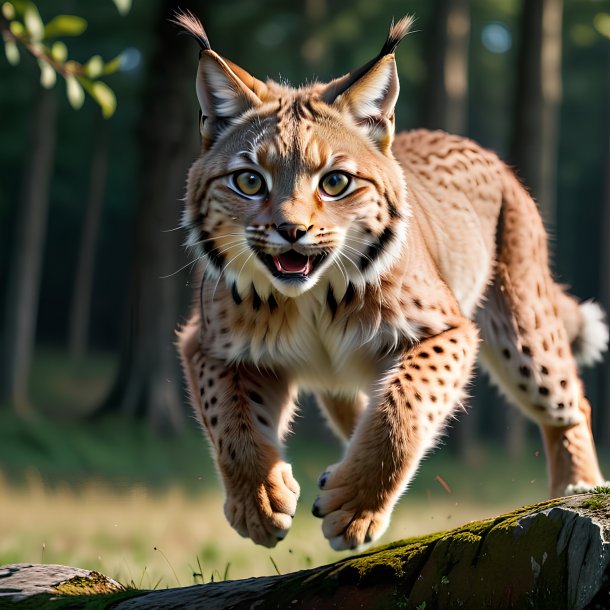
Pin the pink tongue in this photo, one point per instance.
(293, 262)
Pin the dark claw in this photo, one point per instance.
(315, 511)
(323, 478)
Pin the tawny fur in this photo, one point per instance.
(432, 236)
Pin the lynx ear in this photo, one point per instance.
(224, 90)
(370, 93)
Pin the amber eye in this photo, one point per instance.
(335, 184)
(249, 183)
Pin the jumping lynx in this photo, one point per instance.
(343, 260)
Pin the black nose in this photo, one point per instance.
(291, 232)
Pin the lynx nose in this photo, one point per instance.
(291, 232)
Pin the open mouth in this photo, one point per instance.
(291, 264)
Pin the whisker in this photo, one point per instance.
(242, 267)
(354, 265)
(171, 230)
(189, 264)
(244, 249)
(203, 241)
(359, 253)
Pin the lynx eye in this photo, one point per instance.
(335, 184)
(249, 183)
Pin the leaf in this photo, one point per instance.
(59, 51)
(8, 10)
(47, 74)
(94, 67)
(65, 25)
(113, 65)
(74, 91)
(33, 22)
(105, 97)
(601, 21)
(16, 28)
(12, 52)
(123, 6)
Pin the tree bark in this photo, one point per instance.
(553, 555)
(446, 98)
(21, 309)
(80, 308)
(149, 381)
(604, 285)
(537, 101)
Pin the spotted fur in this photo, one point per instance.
(373, 299)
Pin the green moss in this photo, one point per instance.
(601, 489)
(392, 559)
(468, 537)
(92, 584)
(593, 503)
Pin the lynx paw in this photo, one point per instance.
(582, 488)
(264, 512)
(344, 504)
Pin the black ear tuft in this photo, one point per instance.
(192, 25)
(397, 32)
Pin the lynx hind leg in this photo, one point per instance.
(527, 352)
(526, 348)
(342, 411)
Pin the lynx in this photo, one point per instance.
(368, 268)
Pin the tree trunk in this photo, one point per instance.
(535, 131)
(149, 381)
(80, 308)
(446, 98)
(538, 97)
(604, 285)
(21, 310)
(554, 555)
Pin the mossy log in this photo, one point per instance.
(553, 555)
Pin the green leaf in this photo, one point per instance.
(33, 22)
(59, 51)
(16, 28)
(65, 25)
(20, 5)
(12, 52)
(94, 67)
(47, 74)
(123, 6)
(74, 91)
(8, 10)
(601, 21)
(104, 96)
(113, 65)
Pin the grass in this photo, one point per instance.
(146, 509)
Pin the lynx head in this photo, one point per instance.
(295, 185)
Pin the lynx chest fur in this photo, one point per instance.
(366, 267)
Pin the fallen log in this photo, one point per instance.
(552, 555)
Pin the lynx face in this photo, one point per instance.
(295, 184)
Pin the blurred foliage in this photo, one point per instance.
(22, 26)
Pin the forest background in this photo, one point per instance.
(101, 462)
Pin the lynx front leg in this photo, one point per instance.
(401, 424)
(245, 413)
